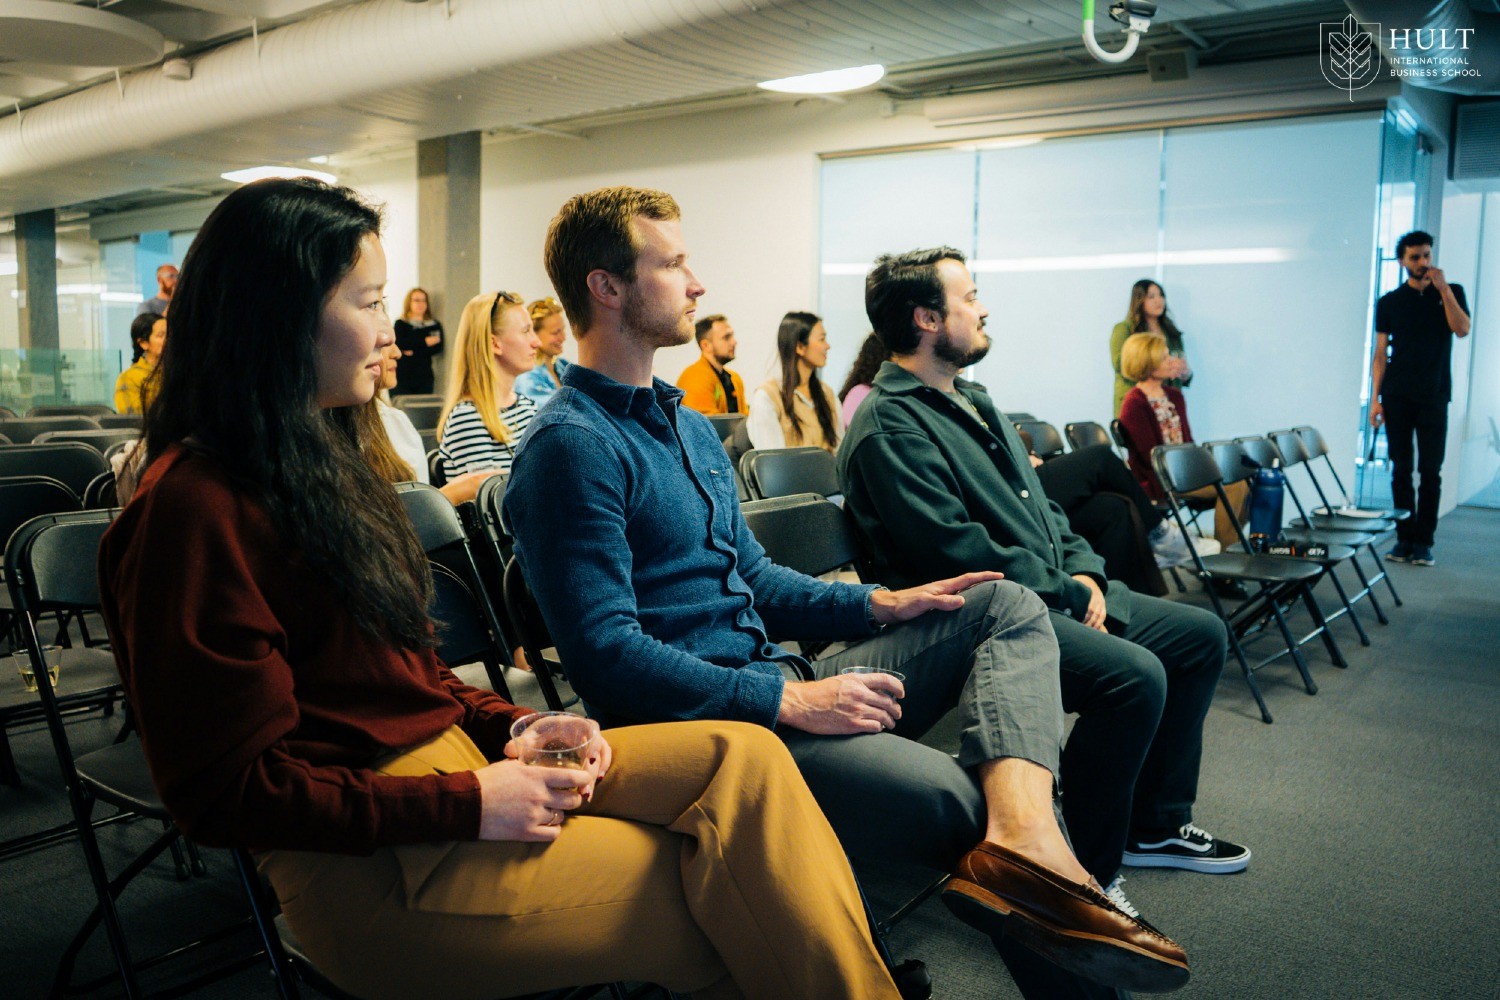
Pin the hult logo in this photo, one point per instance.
(1427, 39)
(1347, 54)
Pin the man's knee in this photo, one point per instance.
(1207, 634)
(1008, 605)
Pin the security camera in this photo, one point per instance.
(1136, 15)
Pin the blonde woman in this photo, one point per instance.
(484, 416)
(552, 332)
(420, 337)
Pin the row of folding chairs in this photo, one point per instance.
(1337, 530)
(62, 410)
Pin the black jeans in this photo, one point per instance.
(1107, 507)
(1141, 692)
(1427, 423)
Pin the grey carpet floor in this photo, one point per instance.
(1372, 810)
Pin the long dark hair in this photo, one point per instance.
(872, 354)
(240, 384)
(1135, 315)
(140, 333)
(795, 329)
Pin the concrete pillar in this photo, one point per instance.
(36, 279)
(448, 229)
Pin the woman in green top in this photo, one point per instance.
(1148, 314)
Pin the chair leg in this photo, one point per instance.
(281, 969)
(1291, 645)
(1177, 579)
(9, 773)
(1239, 651)
(1369, 590)
(1320, 619)
(1380, 566)
(1364, 640)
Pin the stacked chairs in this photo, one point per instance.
(73, 464)
(1315, 447)
(119, 421)
(1363, 534)
(779, 472)
(23, 430)
(100, 440)
(1045, 441)
(424, 413)
(1279, 581)
(50, 568)
(1236, 464)
(71, 410)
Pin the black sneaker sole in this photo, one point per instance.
(1392, 557)
(1100, 959)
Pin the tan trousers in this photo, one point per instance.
(702, 864)
(1239, 496)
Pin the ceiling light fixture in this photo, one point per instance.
(261, 173)
(834, 81)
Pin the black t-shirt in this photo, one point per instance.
(1420, 366)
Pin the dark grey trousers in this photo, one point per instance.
(890, 798)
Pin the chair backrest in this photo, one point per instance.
(406, 399)
(1260, 450)
(807, 533)
(424, 416)
(4, 439)
(23, 429)
(1312, 440)
(120, 421)
(1045, 441)
(1018, 416)
(71, 410)
(725, 423)
(1183, 468)
(1316, 447)
(463, 630)
(525, 616)
(70, 463)
(1234, 465)
(1085, 434)
(6, 411)
(102, 493)
(100, 440)
(50, 561)
(1289, 443)
(780, 472)
(1121, 438)
(25, 497)
(436, 475)
(431, 513)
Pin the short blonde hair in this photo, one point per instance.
(596, 232)
(1142, 354)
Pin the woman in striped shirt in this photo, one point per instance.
(484, 417)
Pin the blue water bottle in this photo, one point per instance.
(1266, 494)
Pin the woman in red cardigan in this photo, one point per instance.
(267, 598)
(1153, 413)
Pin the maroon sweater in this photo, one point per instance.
(261, 704)
(1143, 433)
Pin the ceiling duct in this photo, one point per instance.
(1454, 41)
(333, 57)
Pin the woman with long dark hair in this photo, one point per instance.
(872, 354)
(420, 338)
(134, 388)
(1148, 313)
(267, 600)
(796, 409)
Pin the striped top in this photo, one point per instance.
(467, 446)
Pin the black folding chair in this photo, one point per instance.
(1085, 434)
(87, 681)
(1279, 580)
(424, 415)
(1018, 416)
(779, 472)
(100, 440)
(436, 475)
(7, 412)
(405, 399)
(22, 430)
(725, 423)
(1362, 533)
(1236, 466)
(1316, 447)
(70, 463)
(101, 493)
(120, 421)
(50, 567)
(72, 410)
(1045, 441)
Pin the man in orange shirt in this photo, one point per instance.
(710, 386)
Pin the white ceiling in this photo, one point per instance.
(659, 53)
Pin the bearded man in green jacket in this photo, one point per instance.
(938, 483)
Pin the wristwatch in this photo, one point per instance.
(875, 626)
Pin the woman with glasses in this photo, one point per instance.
(420, 337)
(552, 332)
(267, 601)
(484, 416)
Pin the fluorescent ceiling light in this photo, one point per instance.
(834, 81)
(1143, 261)
(1013, 142)
(261, 173)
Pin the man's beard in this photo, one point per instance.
(948, 351)
(722, 359)
(662, 328)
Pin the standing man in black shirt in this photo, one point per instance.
(1409, 393)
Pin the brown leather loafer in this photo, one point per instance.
(1072, 925)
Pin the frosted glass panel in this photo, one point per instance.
(1065, 228)
(1268, 243)
(884, 204)
(1479, 467)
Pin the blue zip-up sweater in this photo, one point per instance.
(626, 520)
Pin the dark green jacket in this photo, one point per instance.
(933, 494)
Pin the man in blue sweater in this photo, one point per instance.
(624, 512)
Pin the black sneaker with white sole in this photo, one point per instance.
(1190, 848)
